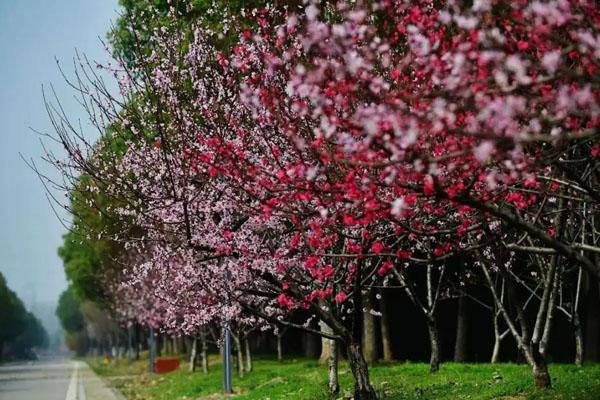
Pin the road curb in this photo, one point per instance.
(94, 387)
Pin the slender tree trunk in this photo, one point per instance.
(434, 344)
(386, 339)
(175, 345)
(1, 349)
(311, 347)
(204, 350)
(360, 373)
(240, 354)
(152, 349)
(369, 344)
(333, 385)
(498, 338)
(325, 344)
(460, 345)
(183, 345)
(162, 351)
(139, 339)
(129, 344)
(496, 351)
(248, 354)
(330, 351)
(194, 354)
(578, 339)
(363, 390)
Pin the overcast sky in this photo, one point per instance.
(32, 34)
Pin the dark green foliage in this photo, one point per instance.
(12, 313)
(69, 313)
(34, 335)
(131, 34)
(20, 331)
(88, 259)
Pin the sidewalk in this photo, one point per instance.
(86, 385)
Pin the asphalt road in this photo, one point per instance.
(40, 380)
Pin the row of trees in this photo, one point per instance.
(335, 150)
(20, 330)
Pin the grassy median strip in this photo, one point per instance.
(303, 379)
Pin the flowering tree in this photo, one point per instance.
(450, 123)
(306, 163)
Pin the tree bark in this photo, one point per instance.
(163, 351)
(360, 372)
(240, 355)
(248, 354)
(204, 350)
(386, 339)
(369, 344)
(325, 344)
(175, 345)
(541, 377)
(460, 345)
(330, 351)
(333, 384)
(496, 351)
(194, 354)
(578, 340)
(434, 344)
(139, 339)
(311, 347)
(498, 338)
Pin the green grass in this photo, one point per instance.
(302, 379)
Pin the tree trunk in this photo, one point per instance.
(360, 373)
(325, 344)
(248, 354)
(578, 339)
(369, 343)
(496, 351)
(152, 350)
(333, 385)
(163, 349)
(240, 355)
(129, 344)
(434, 343)
(1, 349)
(204, 351)
(139, 339)
(541, 376)
(386, 339)
(175, 345)
(311, 347)
(194, 354)
(460, 345)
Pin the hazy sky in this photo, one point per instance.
(32, 34)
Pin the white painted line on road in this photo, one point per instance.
(81, 390)
(73, 385)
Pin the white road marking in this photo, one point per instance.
(81, 391)
(73, 385)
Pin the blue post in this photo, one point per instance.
(227, 360)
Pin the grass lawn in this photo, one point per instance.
(302, 379)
